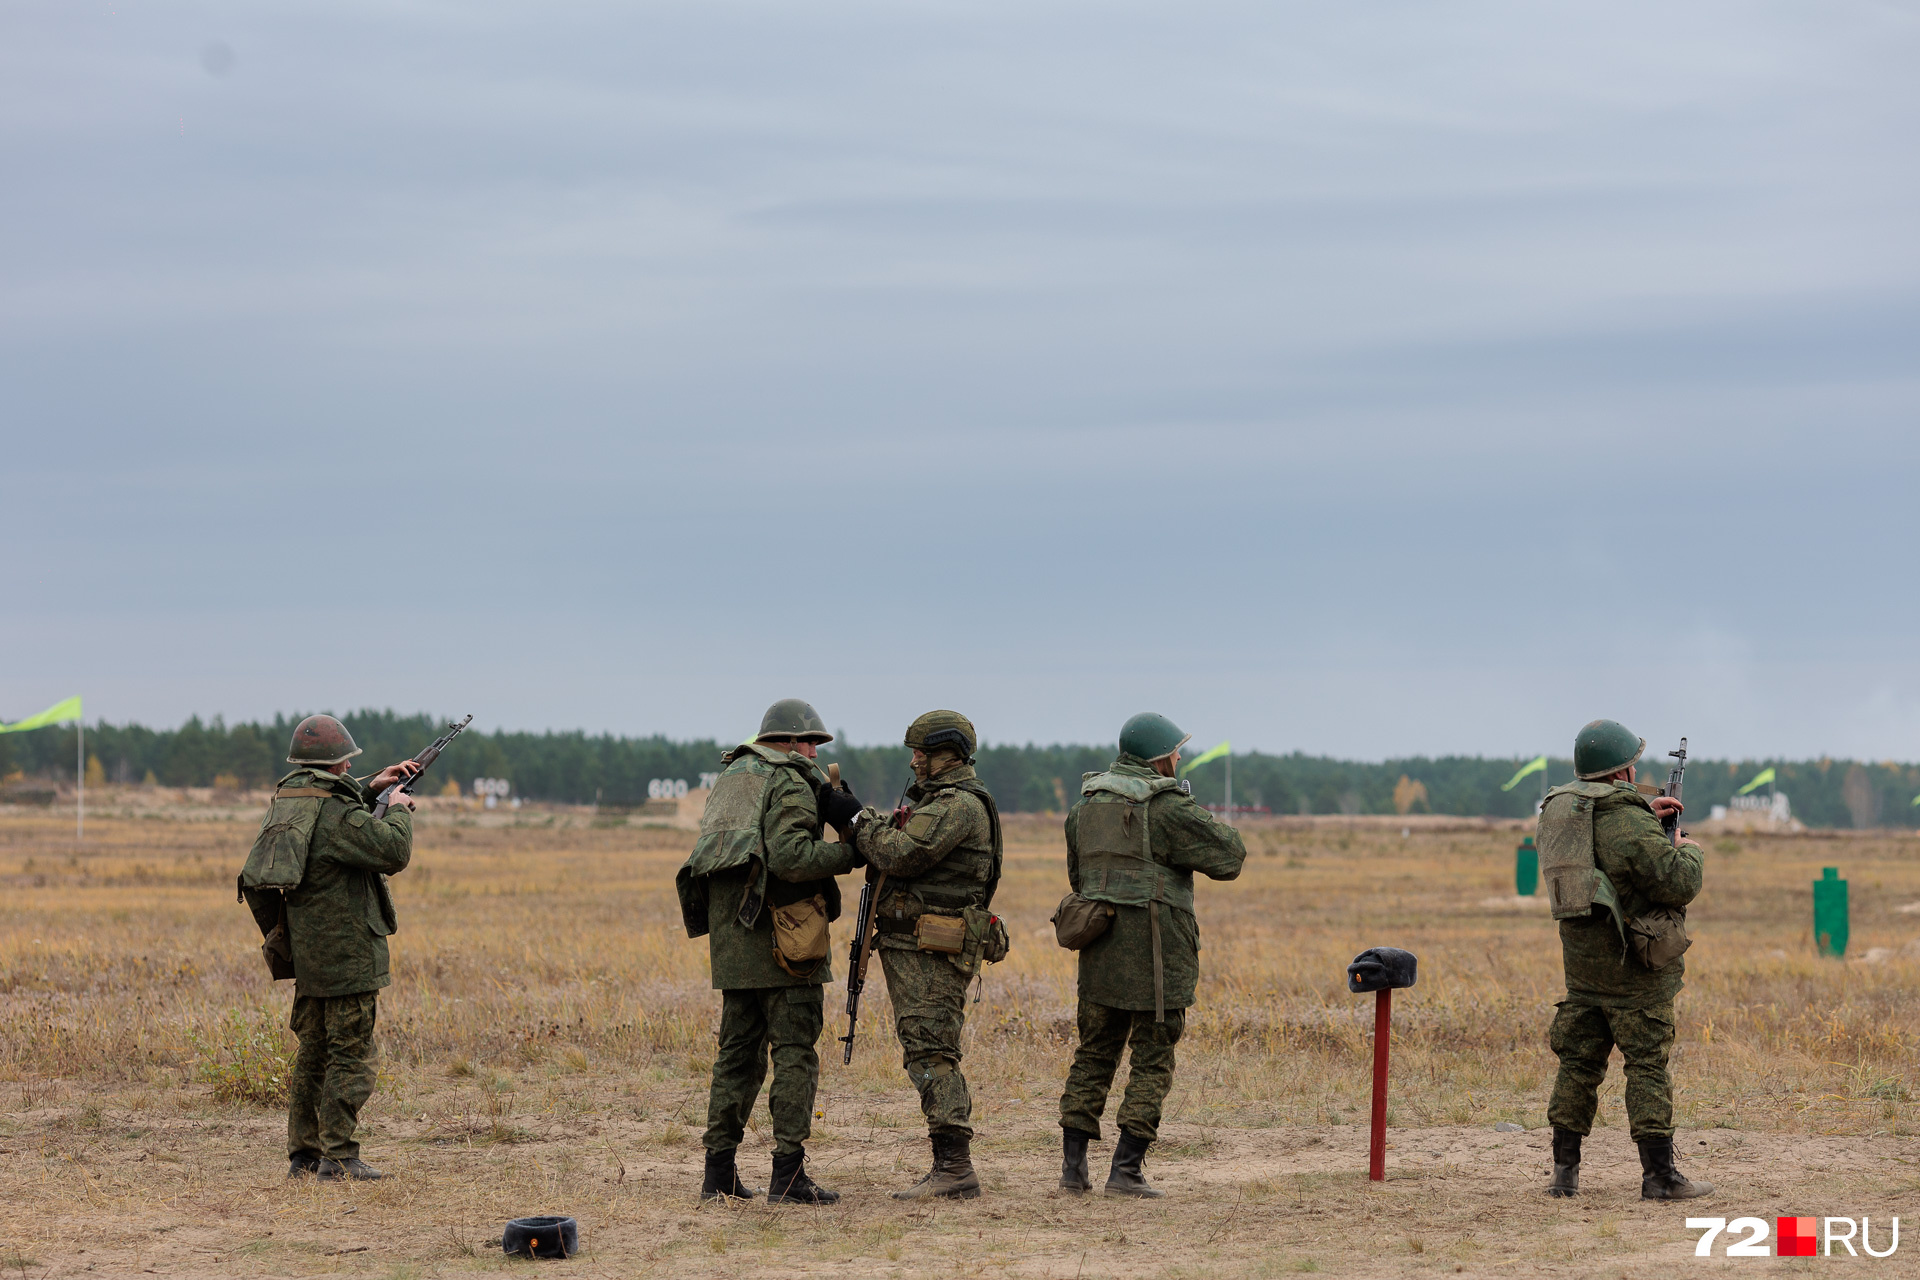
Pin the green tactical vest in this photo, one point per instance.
(968, 875)
(1575, 883)
(731, 836)
(1116, 851)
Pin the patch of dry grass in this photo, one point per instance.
(549, 1031)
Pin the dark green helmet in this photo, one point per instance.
(321, 740)
(793, 718)
(1151, 735)
(1604, 747)
(949, 729)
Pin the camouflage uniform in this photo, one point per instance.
(943, 859)
(339, 920)
(1122, 1003)
(760, 847)
(1612, 998)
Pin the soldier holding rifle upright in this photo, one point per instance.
(760, 884)
(942, 862)
(1619, 878)
(329, 914)
(1134, 842)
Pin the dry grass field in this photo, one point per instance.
(548, 1034)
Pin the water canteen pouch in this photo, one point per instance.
(1078, 922)
(1575, 885)
(1659, 937)
(801, 935)
(985, 941)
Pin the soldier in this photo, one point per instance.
(1613, 997)
(760, 884)
(1133, 842)
(943, 864)
(338, 920)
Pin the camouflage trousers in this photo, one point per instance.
(1104, 1033)
(929, 1012)
(755, 1023)
(332, 1074)
(1583, 1036)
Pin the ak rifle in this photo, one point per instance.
(1671, 823)
(425, 758)
(860, 952)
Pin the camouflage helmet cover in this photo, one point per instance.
(1150, 735)
(1603, 747)
(938, 729)
(321, 740)
(793, 718)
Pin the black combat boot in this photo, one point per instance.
(352, 1169)
(1566, 1164)
(1073, 1160)
(952, 1176)
(1125, 1179)
(723, 1179)
(791, 1185)
(302, 1164)
(1659, 1180)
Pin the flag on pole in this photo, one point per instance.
(59, 711)
(1760, 779)
(1211, 753)
(1536, 765)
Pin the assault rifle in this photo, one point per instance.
(860, 953)
(1671, 823)
(425, 758)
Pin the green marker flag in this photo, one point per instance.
(1211, 753)
(1760, 779)
(1536, 765)
(68, 710)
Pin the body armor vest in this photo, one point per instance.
(1116, 850)
(731, 837)
(968, 875)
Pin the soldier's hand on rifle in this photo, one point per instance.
(402, 800)
(393, 773)
(1665, 807)
(840, 808)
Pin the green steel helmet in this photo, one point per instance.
(1151, 735)
(938, 729)
(321, 740)
(793, 718)
(1604, 747)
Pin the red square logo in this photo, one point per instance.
(1796, 1237)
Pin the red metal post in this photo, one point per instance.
(1382, 1033)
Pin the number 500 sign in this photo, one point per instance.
(1799, 1237)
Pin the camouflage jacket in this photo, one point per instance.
(1116, 969)
(760, 847)
(1647, 872)
(944, 858)
(340, 917)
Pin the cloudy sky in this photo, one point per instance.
(1365, 378)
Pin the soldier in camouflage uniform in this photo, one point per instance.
(338, 921)
(760, 855)
(1134, 842)
(942, 864)
(1613, 999)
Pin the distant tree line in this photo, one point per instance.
(578, 768)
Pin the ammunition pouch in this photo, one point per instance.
(1079, 922)
(1659, 937)
(945, 934)
(801, 938)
